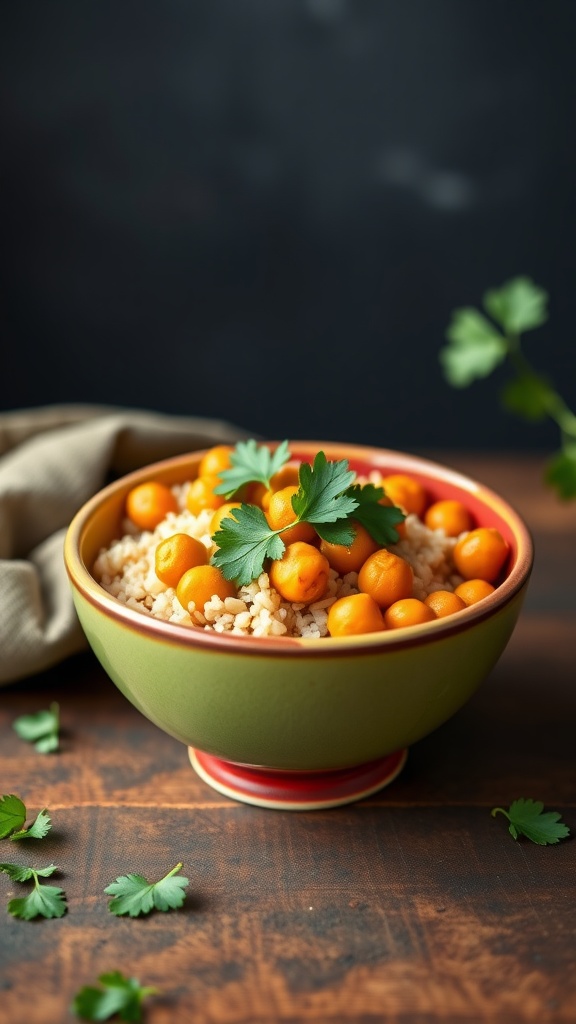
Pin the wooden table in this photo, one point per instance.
(414, 906)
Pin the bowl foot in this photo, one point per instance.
(296, 790)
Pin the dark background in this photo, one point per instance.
(266, 210)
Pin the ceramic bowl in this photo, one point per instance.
(298, 723)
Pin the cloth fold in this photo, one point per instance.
(52, 459)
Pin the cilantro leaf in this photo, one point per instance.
(528, 395)
(40, 826)
(379, 520)
(340, 532)
(475, 348)
(40, 728)
(320, 497)
(561, 472)
(244, 542)
(251, 463)
(526, 818)
(43, 901)
(119, 995)
(12, 814)
(135, 895)
(22, 873)
(518, 305)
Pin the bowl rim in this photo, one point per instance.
(82, 580)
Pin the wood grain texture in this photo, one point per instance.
(413, 906)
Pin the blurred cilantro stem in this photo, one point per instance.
(478, 341)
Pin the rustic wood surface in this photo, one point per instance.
(414, 906)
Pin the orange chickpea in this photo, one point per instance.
(451, 516)
(288, 476)
(215, 460)
(201, 583)
(200, 494)
(221, 513)
(354, 614)
(444, 602)
(349, 559)
(405, 491)
(472, 591)
(258, 494)
(175, 555)
(301, 575)
(481, 554)
(280, 514)
(386, 577)
(149, 503)
(409, 611)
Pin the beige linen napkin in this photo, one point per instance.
(52, 459)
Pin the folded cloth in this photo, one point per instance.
(52, 459)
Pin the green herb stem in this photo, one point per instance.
(554, 404)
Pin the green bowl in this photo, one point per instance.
(290, 722)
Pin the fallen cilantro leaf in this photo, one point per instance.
(22, 873)
(526, 818)
(37, 830)
(119, 995)
(41, 729)
(251, 463)
(43, 900)
(134, 894)
(12, 814)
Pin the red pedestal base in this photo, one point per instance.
(296, 790)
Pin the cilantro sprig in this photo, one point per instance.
(479, 343)
(40, 728)
(527, 817)
(118, 995)
(134, 895)
(42, 900)
(327, 497)
(13, 816)
(251, 463)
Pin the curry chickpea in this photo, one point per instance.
(302, 574)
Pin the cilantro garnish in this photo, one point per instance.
(526, 818)
(251, 463)
(477, 345)
(40, 728)
(244, 542)
(119, 995)
(327, 498)
(43, 900)
(13, 816)
(135, 895)
(379, 520)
